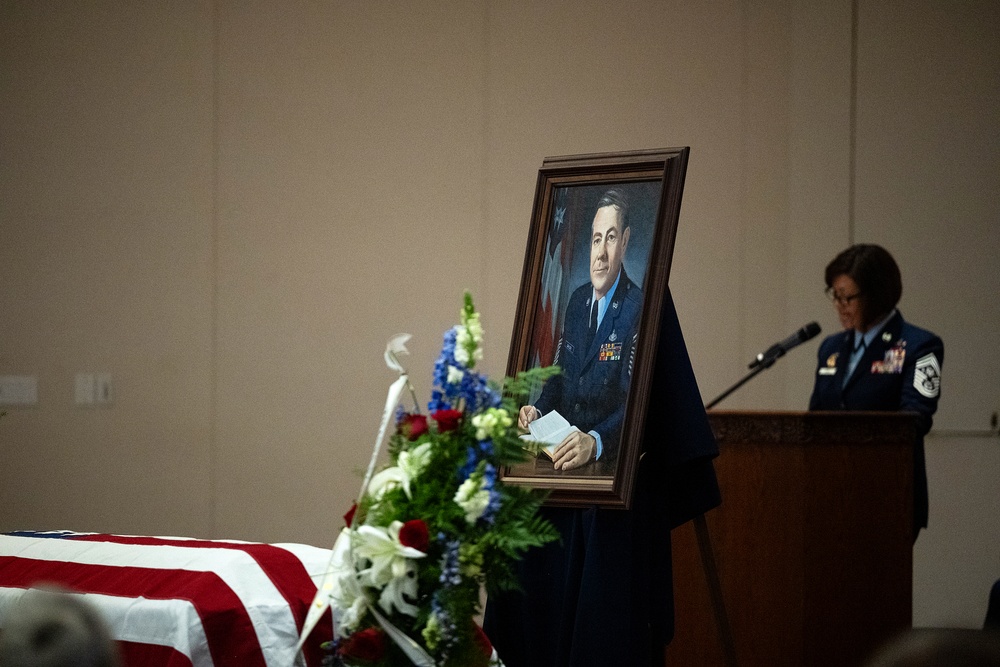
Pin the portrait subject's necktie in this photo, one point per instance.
(592, 331)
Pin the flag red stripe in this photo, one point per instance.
(283, 568)
(135, 654)
(223, 617)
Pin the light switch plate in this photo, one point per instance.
(103, 389)
(84, 389)
(18, 390)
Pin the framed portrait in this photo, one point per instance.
(594, 280)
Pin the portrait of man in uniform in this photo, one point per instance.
(593, 305)
(588, 322)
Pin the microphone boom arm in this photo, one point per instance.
(766, 359)
(748, 376)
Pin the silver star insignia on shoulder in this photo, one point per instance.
(886, 336)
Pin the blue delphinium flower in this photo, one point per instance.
(450, 572)
(474, 454)
(331, 657)
(451, 576)
(457, 382)
(490, 484)
(477, 393)
(400, 414)
(446, 358)
(446, 626)
(437, 402)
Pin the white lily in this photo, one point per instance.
(388, 556)
(410, 464)
(386, 480)
(352, 601)
(392, 568)
(394, 592)
(348, 597)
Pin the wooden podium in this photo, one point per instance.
(813, 541)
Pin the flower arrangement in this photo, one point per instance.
(437, 524)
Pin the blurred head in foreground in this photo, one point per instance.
(51, 628)
(940, 648)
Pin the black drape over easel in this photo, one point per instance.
(603, 595)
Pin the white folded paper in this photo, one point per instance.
(549, 430)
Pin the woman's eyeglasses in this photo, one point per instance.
(841, 299)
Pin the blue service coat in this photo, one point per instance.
(591, 390)
(603, 594)
(900, 371)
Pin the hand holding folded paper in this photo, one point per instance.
(550, 431)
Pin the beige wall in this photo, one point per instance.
(231, 206)
(927, 174)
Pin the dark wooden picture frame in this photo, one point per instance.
(557, 267)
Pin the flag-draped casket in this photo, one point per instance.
(178, 601)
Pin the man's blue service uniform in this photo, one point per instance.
(591, 390)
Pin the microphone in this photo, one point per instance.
(766, 359)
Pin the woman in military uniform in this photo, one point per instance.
(880, 361)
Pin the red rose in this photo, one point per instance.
(365, 646)
(447, 420)
(349, 516)
(481, 640)
(413, 426)
(414, 534)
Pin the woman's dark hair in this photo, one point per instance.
(877, 276)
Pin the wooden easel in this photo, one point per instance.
(715, 591)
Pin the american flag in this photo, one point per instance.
(178, 601)
(551, 302)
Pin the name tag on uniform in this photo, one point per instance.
(831, 365)
(610, 352)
